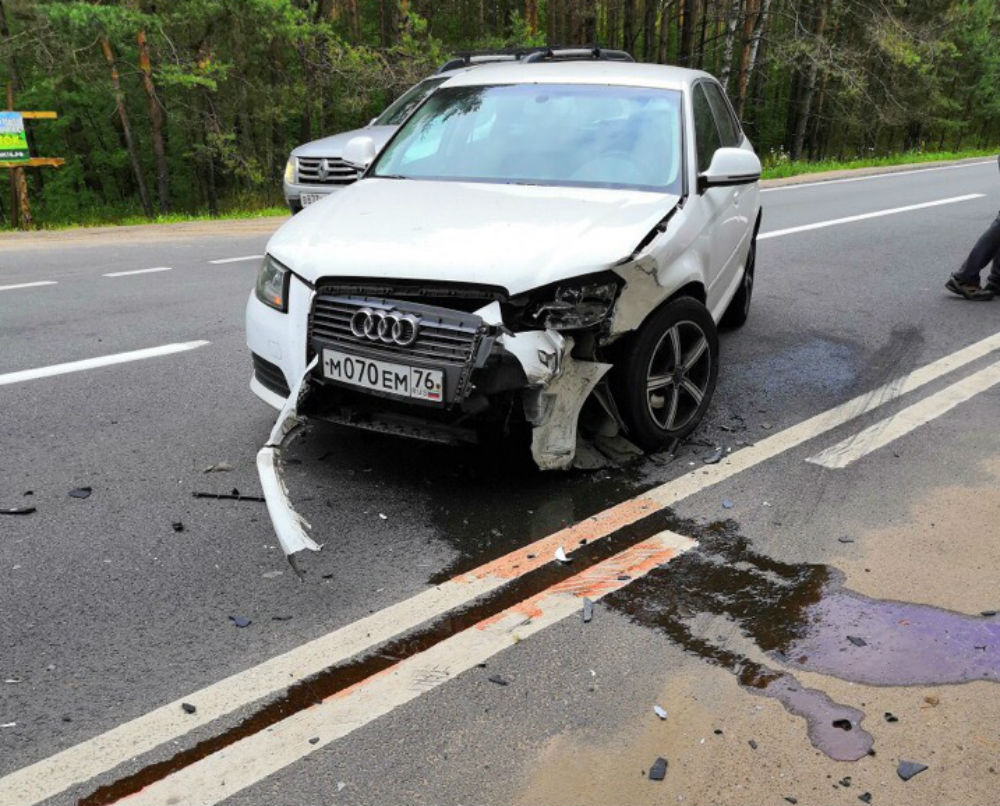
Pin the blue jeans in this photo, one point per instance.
(987, 249)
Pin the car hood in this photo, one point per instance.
(333, 146)
(518, 237)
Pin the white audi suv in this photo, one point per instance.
(547, 245)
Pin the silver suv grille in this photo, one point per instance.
(326, 171)
(449, 337)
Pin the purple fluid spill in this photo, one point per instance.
(907, 644)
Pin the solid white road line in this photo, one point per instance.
(100, 361)
(27, 285)
(903, 422)
(250, 760)
(864, 216)
(798, 185)
(137, 271)
(236, 259)
(79, 763)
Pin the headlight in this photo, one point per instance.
(272, 284)
(290, 170)
(575, 306)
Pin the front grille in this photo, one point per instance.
(270, 376)
(445, 336)
(326, 171)
(447, 339)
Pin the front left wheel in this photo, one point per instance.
(668, 377)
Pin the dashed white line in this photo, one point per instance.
(50, 776)
(833, 222)
(100, 361)
(236, 259)
(27, 285)
(797, 185)
(903, 422)
(137, 271)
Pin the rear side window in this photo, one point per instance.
(729, 130)
(706, 132)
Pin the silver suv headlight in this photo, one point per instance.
(272, 284)
(290, 167)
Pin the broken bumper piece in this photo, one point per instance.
(290, 527)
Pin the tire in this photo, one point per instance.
(683, 325)
(738, 310)
(295, 207)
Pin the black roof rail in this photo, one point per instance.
(574, 54)
(467, 58)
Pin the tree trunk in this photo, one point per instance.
(809, 85)
(688, 24)
(751, 51)
(126, 129)
(730, 40)
(156, 122)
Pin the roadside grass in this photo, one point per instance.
(778, 166)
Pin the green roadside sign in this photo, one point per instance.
(13, 142)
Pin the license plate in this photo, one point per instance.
(384, 376)
(310, 198)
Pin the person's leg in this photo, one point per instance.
(986, 249)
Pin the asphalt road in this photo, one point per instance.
(108, 613)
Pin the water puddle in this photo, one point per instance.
(801, 617)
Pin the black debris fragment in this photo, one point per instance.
(857, 641)
(240, 621)
(314, 740)
(495, 678)
(177, 526)
(717, 731)
(17, 510)
(791, 800)
(846, 539)
(80, 492)
(753, 744)
(843, 724)
(588, 610)
(29, 492)
(891, 717)
(659, 769)
(281, 618)
(988, 613)
(188, 708)
(845, 781)
(624, 577)
(907, 769)
(233, 496)
(865, 797)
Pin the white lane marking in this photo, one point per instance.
(236, 259)
(100, 361)
(27, 285)
(833, 222)
(137, 271)
(250, 760)
(903, 422)
(50, 776)
(877, 176)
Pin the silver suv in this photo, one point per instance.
(318, 168)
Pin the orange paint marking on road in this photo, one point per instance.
(517, 563)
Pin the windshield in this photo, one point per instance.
(397, 111)
(544, 134)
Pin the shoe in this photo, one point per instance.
(970, 291)
(993, 284)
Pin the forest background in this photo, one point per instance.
(180, 107)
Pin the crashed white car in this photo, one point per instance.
(546, 246)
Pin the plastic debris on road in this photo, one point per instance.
(659, 769)
(177, 526)
(561, 555)
(188, 708)
(495, 678)
(234, 495)
(17, 510)
(727, 504)
(588, 610)
(240, 621)
(659, 712)
(218, 467)
(857, 641)
(891, 717)
(80, 492)
(907, 769)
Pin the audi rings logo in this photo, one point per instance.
(387, 327)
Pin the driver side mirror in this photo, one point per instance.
(729, 167)
(360, 151)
